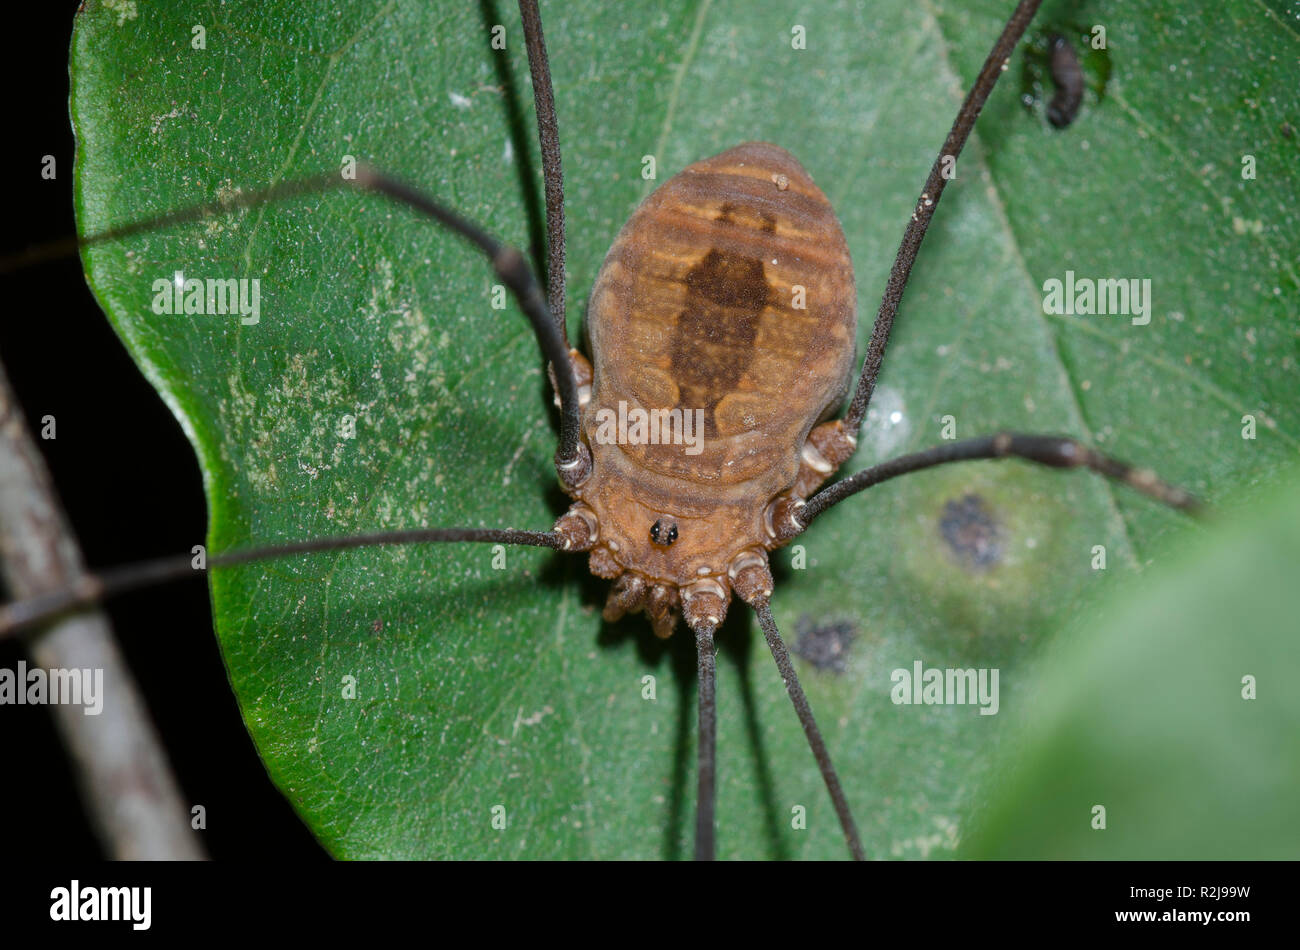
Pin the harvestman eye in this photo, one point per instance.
(698, 265)
(663, 534)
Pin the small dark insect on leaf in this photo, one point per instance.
(1060, 64)
(1068, 76)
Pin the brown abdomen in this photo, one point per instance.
(697, 306)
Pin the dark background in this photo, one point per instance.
(131, 486)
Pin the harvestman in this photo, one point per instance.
(688, 282)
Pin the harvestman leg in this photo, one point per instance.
(835, 442)
(993, 67)
(707, 791)
(21, 615)
(553, 176)
(508, 263)
(578, 465)
(782, 657)
(1053, 451)
(838, 441)
(510, 267)
(831, 444)
(548, 135)
(572, 458)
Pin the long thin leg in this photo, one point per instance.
(23, 614)
(925, 205)
(707, 792)
(548, 134)
(1053, 450)
(815, 742)
(508, 263)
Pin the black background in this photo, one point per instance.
(131, 486)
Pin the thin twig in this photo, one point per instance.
(128, 787)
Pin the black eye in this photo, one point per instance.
(661, 535)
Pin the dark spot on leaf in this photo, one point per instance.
(376, 625)
(972, 532)
(825, 645)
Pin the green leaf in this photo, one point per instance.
(1173, 710)
(479, 687)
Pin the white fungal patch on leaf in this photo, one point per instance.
(125, 10)
(133, 265)
(946, 837)
(382, 300)
(156, 121)
(533, 720)
(289, 427)
(226, 192)
(887, 426)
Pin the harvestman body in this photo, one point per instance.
(729, 291)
